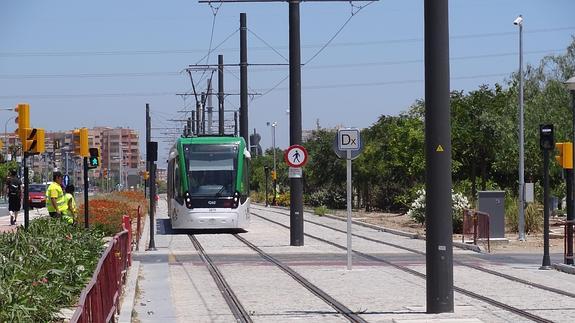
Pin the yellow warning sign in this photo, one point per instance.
(439, 148)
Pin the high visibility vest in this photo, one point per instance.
(55, 190)
(69, 197)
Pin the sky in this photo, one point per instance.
(97, 63)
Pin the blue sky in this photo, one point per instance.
(98, 63)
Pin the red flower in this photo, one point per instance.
(34, 283)
(44, 280)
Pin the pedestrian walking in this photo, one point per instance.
(14, 196)
(55, 202)
(69, 213)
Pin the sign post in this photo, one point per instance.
(296, 157)
(348, 145)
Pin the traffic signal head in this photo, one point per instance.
(546, 139)
(565, 154)
(23, 120)
(33, 142)
(274, 175)
(81, 142)
(94, 159)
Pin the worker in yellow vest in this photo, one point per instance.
(55, 202)
(69, 214)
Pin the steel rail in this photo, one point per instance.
(512, 309)
(458, 262)
(238, 310)
(339, 307)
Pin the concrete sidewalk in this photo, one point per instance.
(33, 214)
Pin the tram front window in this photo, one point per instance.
(211, 169)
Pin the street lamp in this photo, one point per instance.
(6, 133)
(274, 178)
(571, 217)
(519, 22)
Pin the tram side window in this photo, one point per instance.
(171, 179)
(245, 179)
(177, 184)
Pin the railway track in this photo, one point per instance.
(506, 307)
(459, 263)
(238, 310)
(234, 303)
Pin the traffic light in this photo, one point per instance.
(33, 142)
(274, 175)
(94, 159)
(565, 156)
(23, 120)
(146, 175)
(81, 142)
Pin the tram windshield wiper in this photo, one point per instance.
(221, 191)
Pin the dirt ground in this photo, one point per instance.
(533, 243)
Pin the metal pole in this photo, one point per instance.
(349, 250)
(244, 131)
(571, 215)
(221, 95)
(521, 142)
(569, 233)
(193, 123)
(198, 117)
(152, 244)
(274, 182)
(296, 184)
(546, 259)
(148, 138)
(438, 223)
(86, 218)
(266, 174)
(26, 191)
(203, 105)
(210, 107)
(236, 123)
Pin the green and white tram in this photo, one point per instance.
(208, 184)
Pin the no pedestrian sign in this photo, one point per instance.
(296, 156)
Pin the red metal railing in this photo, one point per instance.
(99, 300)
(476, 223)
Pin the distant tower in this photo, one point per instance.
(317, 124)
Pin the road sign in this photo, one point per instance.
(295, 172)
(341, 153)
(66, 180)
(295, 156)
(348, 139)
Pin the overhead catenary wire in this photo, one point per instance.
(272, 69)
(24, 54)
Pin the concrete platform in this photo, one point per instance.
(174, 284)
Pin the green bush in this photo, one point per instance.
(320, 210)
(45, 268)
(533, 216)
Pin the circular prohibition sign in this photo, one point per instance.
(295, 156)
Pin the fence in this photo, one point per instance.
(477, 224)
(99, 300)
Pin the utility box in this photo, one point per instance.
(493, 203)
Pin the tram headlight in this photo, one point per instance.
(236, 199)
(188, 200)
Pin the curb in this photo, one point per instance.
(127, 305)
(569, 269)
(410, 235)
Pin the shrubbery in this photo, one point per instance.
(459, 202)
(45, 268)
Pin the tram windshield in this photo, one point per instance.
(211, 169)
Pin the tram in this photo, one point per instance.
(208, 184)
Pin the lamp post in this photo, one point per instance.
(571, 217)
(6, 134)
(519, 22)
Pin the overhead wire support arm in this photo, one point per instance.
(240, 1)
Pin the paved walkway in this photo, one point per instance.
(175, 286)
(5, 218)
